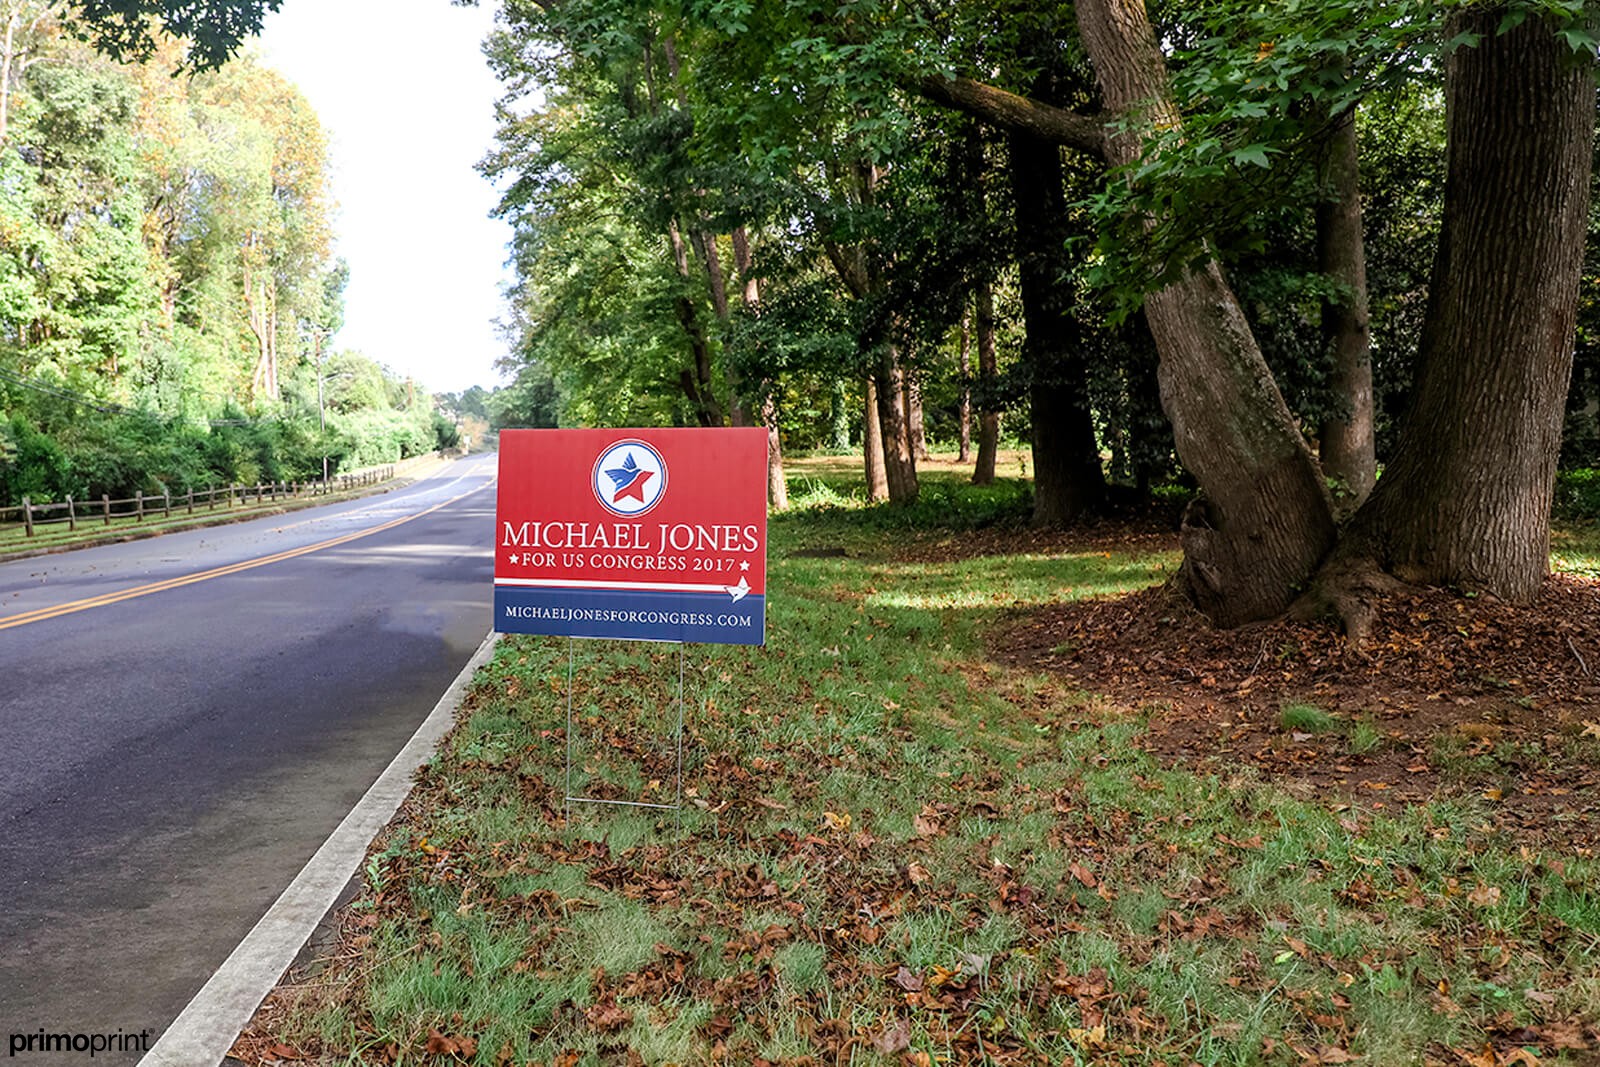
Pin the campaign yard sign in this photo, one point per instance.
(642, 535)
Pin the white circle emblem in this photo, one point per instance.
(629, 478)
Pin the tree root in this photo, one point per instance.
(1348, 589)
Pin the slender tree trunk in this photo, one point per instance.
(1347, 452)
(964, 405)
(13, 20)
(777, 484)
(716, 282)
(988, 371)
(1068, 482)
(1466, 499)
(691, 391)
(272, 343)
(872, 446)
(744, 267)
(1265, 520)
(261, 314)
(697, 381)
(899, 461)
(717, 285)
(915, 429)
(839, 416)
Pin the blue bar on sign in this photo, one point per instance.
(631, 614)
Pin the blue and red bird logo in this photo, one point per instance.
(629, 478)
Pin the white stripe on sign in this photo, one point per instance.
(566, 583)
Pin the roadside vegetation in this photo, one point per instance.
(897, 846)
(93, 528)
(169, 295)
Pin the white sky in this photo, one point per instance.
(407, 101)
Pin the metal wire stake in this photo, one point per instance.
(677, 801)
(567, 802)
(676, 807)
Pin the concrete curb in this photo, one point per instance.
(204, 1031)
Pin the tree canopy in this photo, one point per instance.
(1250, 196)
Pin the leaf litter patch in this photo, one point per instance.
(1451, 695)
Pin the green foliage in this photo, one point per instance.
(375, 436)
(445, 434)
(1578, 493)
(166, 288)
(126, 29)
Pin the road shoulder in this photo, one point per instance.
(206, 1028)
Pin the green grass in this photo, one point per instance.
(1365, 738)
(886, 833)
(1308, 718)
(1575, 548)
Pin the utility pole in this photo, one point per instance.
(322, 411)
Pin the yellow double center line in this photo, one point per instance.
(71, 607)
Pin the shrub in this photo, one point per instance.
(1578, 493)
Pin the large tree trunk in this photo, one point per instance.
(1265, 520)
(1068, 482)
(899, 461)
(1466, 500)
(988, 371)
(1347, 449)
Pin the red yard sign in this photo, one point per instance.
(646, 535)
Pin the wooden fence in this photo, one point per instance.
(71, 513)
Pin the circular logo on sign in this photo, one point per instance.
(629, 478)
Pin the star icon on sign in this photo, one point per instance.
(745, 565)
(630, 480)
(511, 558)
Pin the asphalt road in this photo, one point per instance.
(170, 759)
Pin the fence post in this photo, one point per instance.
(191, 500)
(72, 516)
(258, 492)
(166, 503)
(27, 515)
(105, 507)
(211, 496)
(138, 497)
